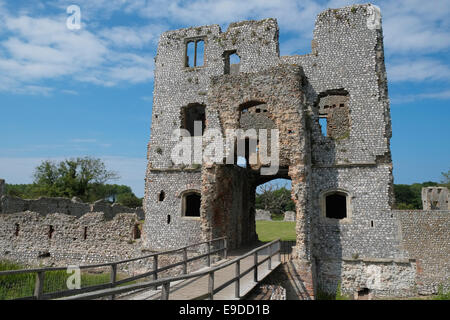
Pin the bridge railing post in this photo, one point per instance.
(208, 260)
(279, 250)
(211, 285)
(155, 269)
(165, 290)
(113, 276)
(185, 260)
(39, 285)
(269, 264)
(237, 287)
(255, 266)
(225, 248)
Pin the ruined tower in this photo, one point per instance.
(331, 109)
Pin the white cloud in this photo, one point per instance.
(418, 70)
(402, 99)
(416, 26)
(43, 48)
(135, 37)
(40, 48)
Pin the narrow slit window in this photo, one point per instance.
(85, 233)
(136, 232)
(190, 54)
(51, 230)
(161, 196)
(323, 125)
(16, 233)
(200, 52)
(168, 219)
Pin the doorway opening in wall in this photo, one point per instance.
(191, 202)
(275, 210)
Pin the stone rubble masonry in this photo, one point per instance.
(74, 207)
(263, 215)
(435, 198)
(91, 238)
(344, 79)
(390, 253)
(289, 216)
(425, 236)
(85, 240)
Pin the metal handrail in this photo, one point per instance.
(165, 282)
(40, 272)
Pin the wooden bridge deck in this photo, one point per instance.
(197, 288)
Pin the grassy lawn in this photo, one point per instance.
(271, 230)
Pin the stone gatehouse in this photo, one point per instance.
(331, 109)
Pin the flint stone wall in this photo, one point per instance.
(24, 237)
(435, 198)
(289, 216)
(263, 215)
(73, 207)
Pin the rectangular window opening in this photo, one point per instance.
(195, 53)
(323, 125)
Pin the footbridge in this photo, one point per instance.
(220, 275)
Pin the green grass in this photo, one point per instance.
(271, 230)
(442, 295)
(22, 285)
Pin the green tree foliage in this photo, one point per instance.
(71, 177)
(276, 200)
(129, 200)
(81, 177)
(409, 196)
(446, 179)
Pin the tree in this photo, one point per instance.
(446, 179)
(410, 196)
(275, 199)
(129, 200)
(71, 177)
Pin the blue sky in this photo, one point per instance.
(68, 93)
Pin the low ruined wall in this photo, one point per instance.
(60, 239)
(263, 215)
(89, 239)
(289, 216)
(426, 237)
(73, 207)
(423, 239)
(383, 277)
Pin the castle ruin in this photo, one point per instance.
(331, 109)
